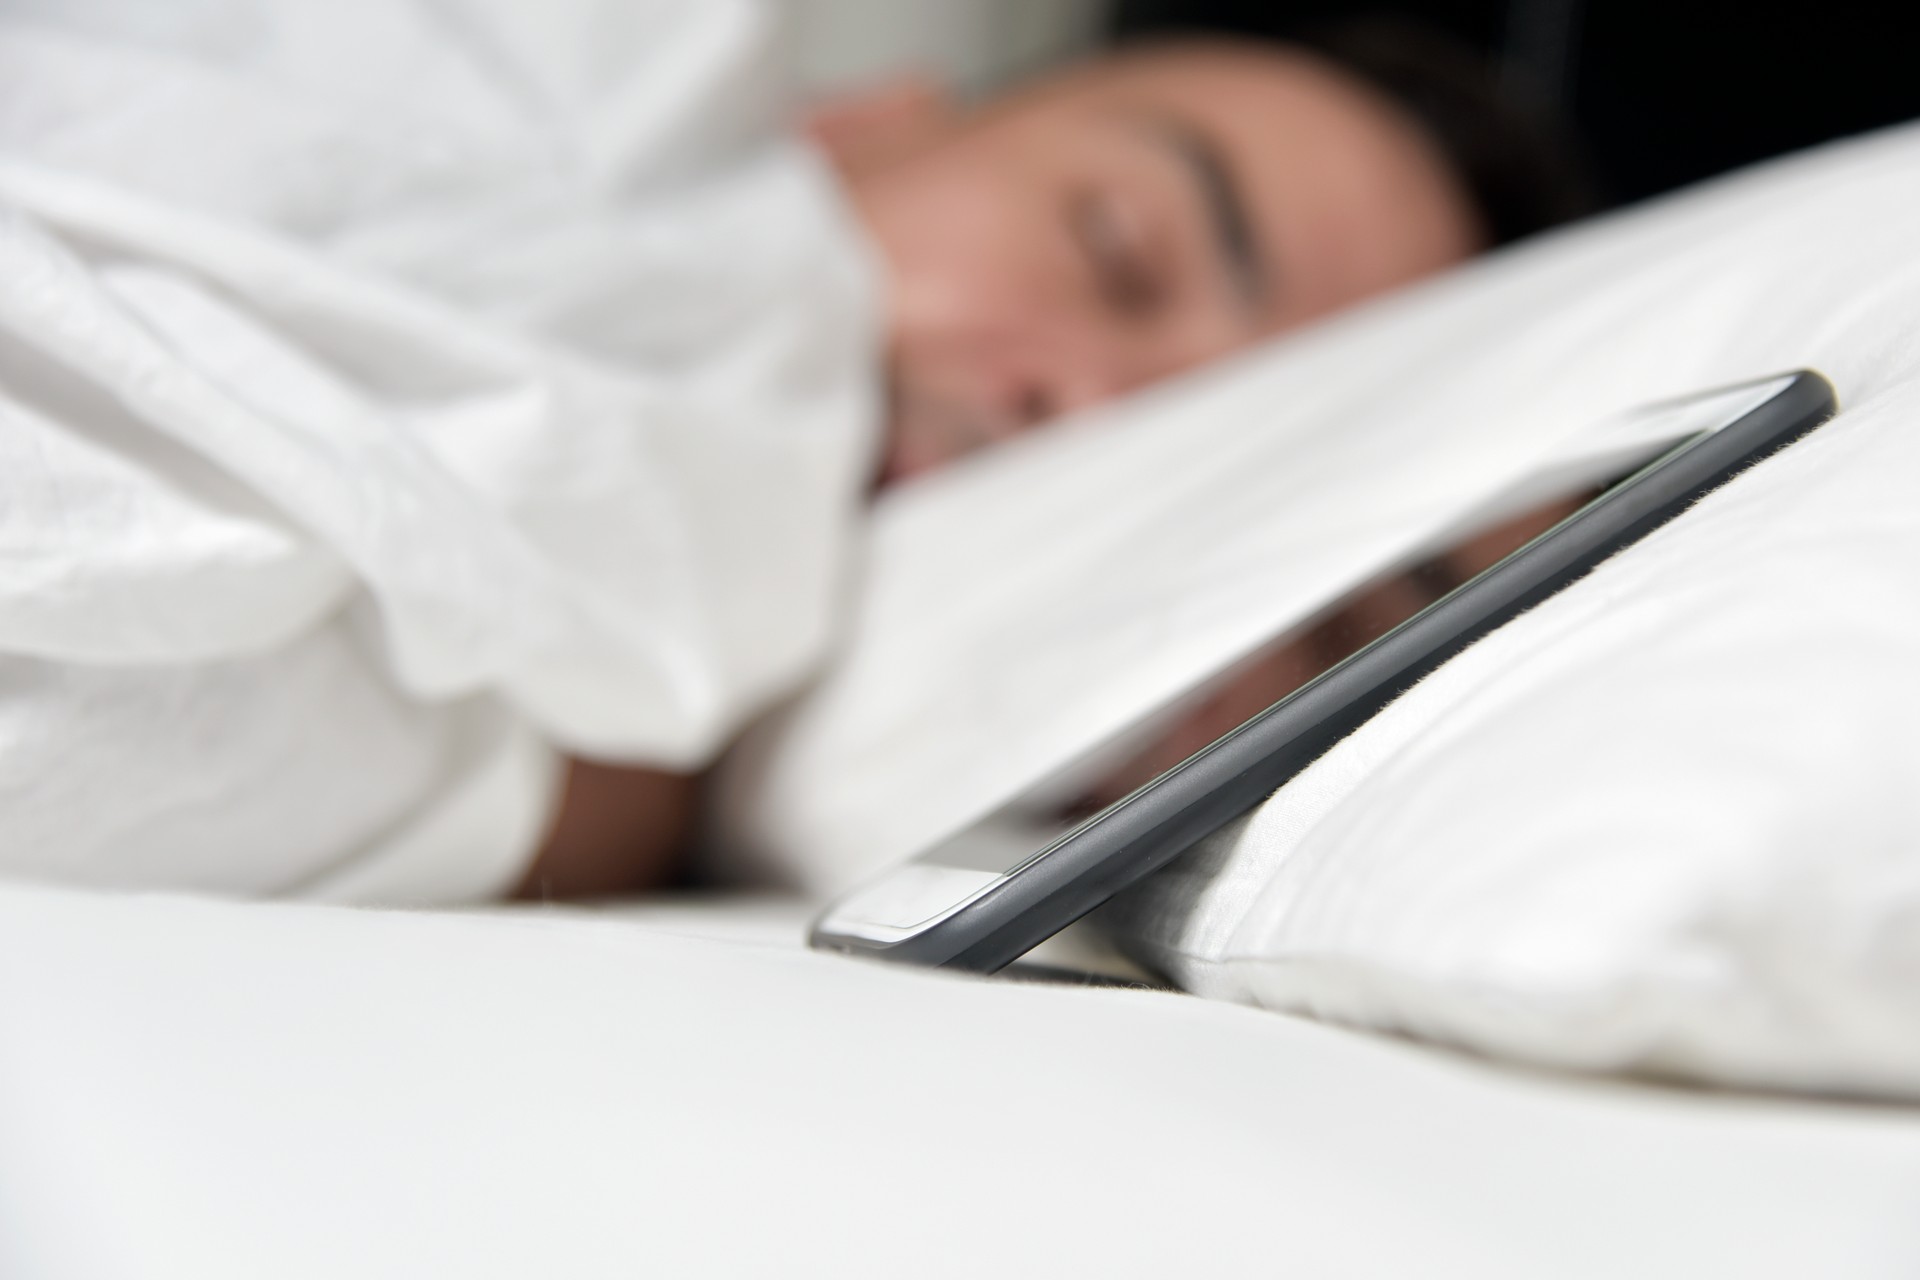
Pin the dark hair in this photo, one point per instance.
(1519, 167)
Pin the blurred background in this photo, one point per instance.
(1658, 93)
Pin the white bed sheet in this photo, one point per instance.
(204, 1089)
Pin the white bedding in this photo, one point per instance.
(391, 394)
(203, 1090)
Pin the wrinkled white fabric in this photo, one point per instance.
(389, 394)
(1668, 821)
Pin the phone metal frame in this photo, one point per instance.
(995, 918)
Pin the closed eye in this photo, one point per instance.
(1113, 245)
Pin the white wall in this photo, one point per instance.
(972, 43)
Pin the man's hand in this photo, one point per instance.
(619, 830)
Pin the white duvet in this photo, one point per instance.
(391, 394)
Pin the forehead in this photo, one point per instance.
(1344, 192)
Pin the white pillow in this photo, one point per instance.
(1666, 822)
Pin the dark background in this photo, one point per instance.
(1659, 94)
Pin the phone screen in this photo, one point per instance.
(1343, 629)
(946, 878)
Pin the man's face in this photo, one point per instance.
(1122, 222)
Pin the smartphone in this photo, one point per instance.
(986, 896)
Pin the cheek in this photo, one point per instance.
(974, 257)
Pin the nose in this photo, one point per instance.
(1041, 381)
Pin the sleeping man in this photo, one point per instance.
(431, 431)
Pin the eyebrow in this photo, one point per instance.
(1225, 203)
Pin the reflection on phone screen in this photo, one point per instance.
(1340, 631)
